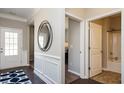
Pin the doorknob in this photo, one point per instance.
(1, 50)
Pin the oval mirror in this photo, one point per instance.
(45, 36)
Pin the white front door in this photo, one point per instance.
(95, 49)
(10, 47)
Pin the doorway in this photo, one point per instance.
(31, 45)
(105, 49)
(10, 47)
(72, 50)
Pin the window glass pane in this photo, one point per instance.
(6, 52)
(15, 52)
(15, 40)
(15, 35)
(7, 46)
(15, 46)
(11, 52)
(7, 34)
(11, 41)
(11, 35)
(11, 46)
(7, 41)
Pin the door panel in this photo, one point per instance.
(11, 44)
(95, 49)
(74, 46)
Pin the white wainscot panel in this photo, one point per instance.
(51, 70)
(47, 67)
(39, 64)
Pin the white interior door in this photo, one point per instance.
(10, 47)
(74, 46)
(95, 49)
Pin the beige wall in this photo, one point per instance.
(100, 22)
(116, 23)
(79, 12)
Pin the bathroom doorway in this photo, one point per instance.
(105, 49)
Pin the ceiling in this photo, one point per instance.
(20, 12)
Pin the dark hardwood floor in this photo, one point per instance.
(85, 81)
(29, 72)
(36, 80)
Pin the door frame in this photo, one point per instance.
(31, 24)
(82, 25)
(87, 54)
(21, 43)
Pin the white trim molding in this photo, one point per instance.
(47, 55)
(82, 47)
(73, 16)
(122, 46)
(78, 74)
(104, 15)
(12, 17)
(82, 50)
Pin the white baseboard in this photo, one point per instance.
(44, 77)
(107, 69)
(83, 77)
(14, 67)
(25, 65)
(78, 74)
(104, 68)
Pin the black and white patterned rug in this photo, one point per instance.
(14, 77)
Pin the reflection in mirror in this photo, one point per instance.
(45, 36)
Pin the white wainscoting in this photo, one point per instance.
(47, 67)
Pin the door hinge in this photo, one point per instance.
(89, 68)
(80, 52)
(89, 48)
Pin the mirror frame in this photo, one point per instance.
(50, 38)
